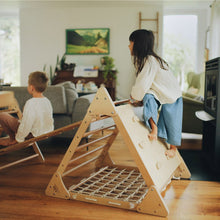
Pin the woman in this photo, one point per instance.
(156, 86)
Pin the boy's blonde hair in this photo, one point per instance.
(38, 80)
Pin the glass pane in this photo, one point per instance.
(9, 50)
(180, 45)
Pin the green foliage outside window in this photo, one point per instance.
(179, 57)
(9, 50)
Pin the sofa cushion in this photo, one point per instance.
(56, 95)
(21, 94)
(71, 95)
(196, 83)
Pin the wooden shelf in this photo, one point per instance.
(110, 84)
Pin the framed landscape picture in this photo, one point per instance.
(87, 41)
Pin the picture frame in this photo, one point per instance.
(84, 41)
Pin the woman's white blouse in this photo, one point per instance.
(157, 81)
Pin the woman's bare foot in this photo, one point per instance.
(171, 152)
(7, 141)
(153, 134)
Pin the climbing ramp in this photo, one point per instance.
(10, 105)
(87, 172)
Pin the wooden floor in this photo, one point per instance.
(22, 189)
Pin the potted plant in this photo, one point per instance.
(60, 65)
(108, 68)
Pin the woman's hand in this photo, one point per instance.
(135, 102)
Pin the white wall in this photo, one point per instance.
(214, 40)
(43, 36)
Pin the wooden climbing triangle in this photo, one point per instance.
(92, 176)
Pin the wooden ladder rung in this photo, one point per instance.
(151, 20)
(121, 102)
(81, 165)
(86, 154)
(80, 147)
(148, 19)
(97, 130)
(15, 147)
(9, 111)
(19, 161)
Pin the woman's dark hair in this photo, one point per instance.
(143, 47)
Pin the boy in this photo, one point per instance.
(37, 114)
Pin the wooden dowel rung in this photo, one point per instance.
(80, 147)
(97, 130)
(101, 117)
(9, 111)
(150, 19)
(15, 147)
(79, 166)
(43, 138)
(121, 101)
(86, 154)
(19, 161)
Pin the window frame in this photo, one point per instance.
(202, 26)
(14, 13)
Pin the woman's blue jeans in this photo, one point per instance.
(169, 123)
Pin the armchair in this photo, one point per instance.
(191, 104)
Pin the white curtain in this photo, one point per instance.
(215, 30)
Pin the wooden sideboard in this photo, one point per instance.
(64, 75)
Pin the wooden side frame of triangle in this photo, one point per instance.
(102, 105)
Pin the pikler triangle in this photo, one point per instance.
(92, 176)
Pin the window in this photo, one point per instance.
(9, 50)
(180, 45)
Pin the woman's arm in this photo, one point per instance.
(145, 79)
